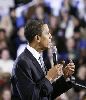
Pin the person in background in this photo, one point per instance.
(40, 14)
(3, 44)
(2, 34)
(6, 94)
(7, 25)
(72, 53)
(20, 39)
(6, 63)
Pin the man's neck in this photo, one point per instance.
(35, 46)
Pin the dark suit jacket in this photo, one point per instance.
(29, 82)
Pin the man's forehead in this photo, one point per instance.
(45, 27)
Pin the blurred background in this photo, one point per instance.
(67, 23)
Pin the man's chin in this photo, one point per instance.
(45, 48)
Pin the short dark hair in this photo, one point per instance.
(33, 28)
(2, 30)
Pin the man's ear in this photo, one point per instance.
(37, 38)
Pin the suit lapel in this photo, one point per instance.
(35, 62)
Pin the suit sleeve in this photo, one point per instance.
(60, 86)
(26, 87)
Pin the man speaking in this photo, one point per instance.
(30, 78)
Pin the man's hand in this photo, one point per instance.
(69, 70)
(54, 72)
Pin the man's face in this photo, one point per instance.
(45, 40)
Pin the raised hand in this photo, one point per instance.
(54, 72)
(69, 69)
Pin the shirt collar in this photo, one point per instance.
(34, 52)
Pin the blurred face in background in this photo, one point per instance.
(2, 35)
(64, 14)
(83, 52)
(53, 22)
(13, 13)
(82, 72)
(3, 44)
(39, 12)
(66, 2)
(70, 43)
(7, 25)
(5, 55)
(76, 21)
(6, 94)
(85, 2)
(21, 33)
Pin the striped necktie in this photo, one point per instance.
(42, 64)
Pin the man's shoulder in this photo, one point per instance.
(21, 60)
(22, 57)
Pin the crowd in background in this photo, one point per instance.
(67, 23)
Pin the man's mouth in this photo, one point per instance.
(50, 44)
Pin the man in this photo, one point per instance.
(30, 78)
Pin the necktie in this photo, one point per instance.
(42, 64)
